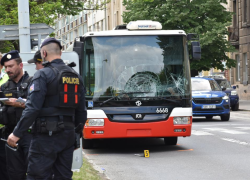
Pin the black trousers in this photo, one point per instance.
(51, 155)
(17, 161)
(3, 165)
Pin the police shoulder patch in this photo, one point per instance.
(32, 88)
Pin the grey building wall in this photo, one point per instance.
(239, 36)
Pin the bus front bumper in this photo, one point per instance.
(164, 128)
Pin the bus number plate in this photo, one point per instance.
(209, 107)
(162, 110)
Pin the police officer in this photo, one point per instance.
(37, 59)
(15, 87)
(56, 103)
(3, 170)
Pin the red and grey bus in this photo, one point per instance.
(137, 82)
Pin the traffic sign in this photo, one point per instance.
(11, 32)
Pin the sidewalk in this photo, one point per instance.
(244, 105)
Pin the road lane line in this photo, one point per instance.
(225, 130)
(243, 128)
(235, 141)
(201, 133)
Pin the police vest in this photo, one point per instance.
(12, 91)
(63, 92)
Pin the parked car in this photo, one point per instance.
(230, 90)
(209, 100)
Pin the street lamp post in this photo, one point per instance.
(24, 25)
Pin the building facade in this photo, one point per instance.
(239, 36)
(67, 28)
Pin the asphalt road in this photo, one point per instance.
(216, 151)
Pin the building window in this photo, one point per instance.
(75, 33)
(235, 14)
(71, 36)
(244, 11)
(245, 72)
(102, 25)
(108, 23)
(117, 17)
(237, 67)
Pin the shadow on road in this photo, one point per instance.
(201, 119)
(132, 145)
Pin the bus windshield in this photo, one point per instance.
(142, 66)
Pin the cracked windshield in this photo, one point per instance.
(141, 66)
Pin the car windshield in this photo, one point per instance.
(204, 85)
(223, 83)
(142, 66)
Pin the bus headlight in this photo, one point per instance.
(181, 120)
(234, 93)
(94, 122)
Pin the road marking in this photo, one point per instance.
(201, 133)
(236, 141)
(225, 130)
(243, 128)
(237, 117)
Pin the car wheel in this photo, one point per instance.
(87, 143)
(209, 117)
(225, 117)
(235, 107)
(170, 140)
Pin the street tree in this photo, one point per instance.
(41, 11)
(208, 18)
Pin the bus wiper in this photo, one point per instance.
(121, 94)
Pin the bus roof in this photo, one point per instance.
(134, 32)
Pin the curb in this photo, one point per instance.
(96, 167)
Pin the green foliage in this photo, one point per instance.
(208, 18)
(41, 11)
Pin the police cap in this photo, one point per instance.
(51, 40)
(9, 56)
(37, 58)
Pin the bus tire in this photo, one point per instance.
(87, 143)
(170, 141)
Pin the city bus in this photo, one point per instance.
(137, 82)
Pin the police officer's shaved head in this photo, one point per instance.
(51, 49)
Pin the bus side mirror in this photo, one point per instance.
(78, 48)
(195, 50)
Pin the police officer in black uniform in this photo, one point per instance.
(3, 166)
(16, 87)
(55, 106)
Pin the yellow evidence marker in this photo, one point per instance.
(146, 153)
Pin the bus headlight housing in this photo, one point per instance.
(94, 122)
(181, 120)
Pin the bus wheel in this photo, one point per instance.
(87, 143)
(170, 140)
